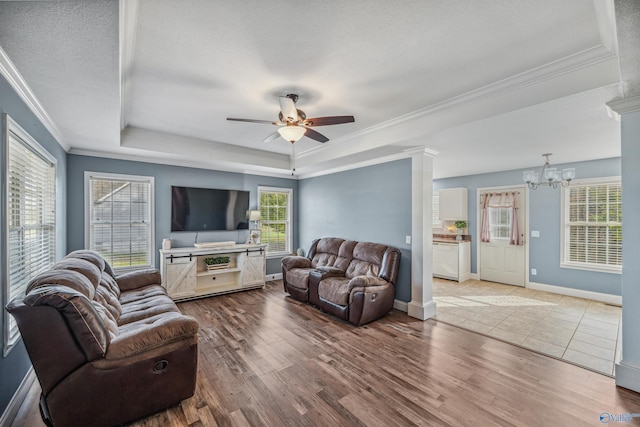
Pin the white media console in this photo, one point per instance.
(185, 275)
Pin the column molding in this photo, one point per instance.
(422, 305)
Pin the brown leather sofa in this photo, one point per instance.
(106, 350)
(355, 281)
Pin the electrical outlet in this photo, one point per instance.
(535, 233)
(408, 240)
(534, 272)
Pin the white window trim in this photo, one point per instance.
(152, 217)
(11, 337)
(565, 219)
(289, 191)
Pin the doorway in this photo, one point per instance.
(502, 248)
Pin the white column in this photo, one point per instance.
(628, 369)
(422, 305)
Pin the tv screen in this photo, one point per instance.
(208, 209)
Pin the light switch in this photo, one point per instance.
(535, 233)
(408, 240)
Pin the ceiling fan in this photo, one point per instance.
(294, 123)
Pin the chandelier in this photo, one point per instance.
(551, 177)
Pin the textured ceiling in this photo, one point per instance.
(497, 80)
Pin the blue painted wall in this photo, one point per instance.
(165, 176)
(367, 204)
(15, 365)
(544, 216)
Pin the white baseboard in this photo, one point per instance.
(475, 276)
(401, 305)
(578, 293)
(277, 276)
(422, 311)
(628, 376)
(20, 395)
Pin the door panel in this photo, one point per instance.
(501, 262)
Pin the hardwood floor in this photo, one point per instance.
(266, 359)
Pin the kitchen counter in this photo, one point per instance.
(440, 240)
(450, 238)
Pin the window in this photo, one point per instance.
(275, 211)
(119, 220)
(500, 223)
(592, 238)
(436, 223)
(30, 216)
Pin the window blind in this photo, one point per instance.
(275, 219)
(435, 210)
(120, 226)
(31, 219)
(593, 228)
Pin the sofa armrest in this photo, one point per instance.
(366, 282)
(295, 262)
(165, 329)
(138, 279)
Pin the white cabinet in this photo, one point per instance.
(452, 260)
(453, 204)
(185, 275)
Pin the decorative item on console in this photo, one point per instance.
(217, 263)
(254, 234)
(460, 228)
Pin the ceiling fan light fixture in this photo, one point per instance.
(292, 133)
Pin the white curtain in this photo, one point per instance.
(501, 200)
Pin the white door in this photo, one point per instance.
(500, 261)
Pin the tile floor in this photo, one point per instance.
(577, 330)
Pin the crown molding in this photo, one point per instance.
(9, 71)
(625, 106)
(582, 60)
(405, 154)
(187, 163)
(128, 24)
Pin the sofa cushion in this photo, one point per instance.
(335, 290)
(298, 278)
(69, 278)
(110, 322)
(110, 283)
(141, 294)
(91, 256)
(150, 333)
(367, 258)
(345, 254)
(86, 268)
(149, 306)
(326, 252)
(80, 313)
(105, 296)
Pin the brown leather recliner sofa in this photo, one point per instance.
(106, 350)
(355, 281)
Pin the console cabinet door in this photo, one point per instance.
(181, 278)
(253, 268)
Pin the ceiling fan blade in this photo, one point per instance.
(270, 122)
(271, 137)
(329, 120)
(288, 108)
(310, 133)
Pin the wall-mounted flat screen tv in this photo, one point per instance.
(208, 209)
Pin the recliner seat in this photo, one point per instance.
(106, 350)
(354, 281)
